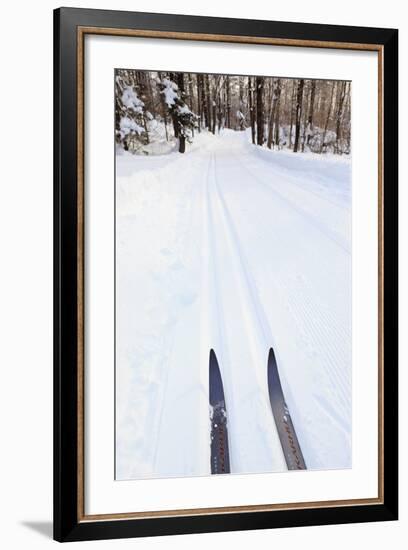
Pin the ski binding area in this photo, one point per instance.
(220, 462)
(233, 310)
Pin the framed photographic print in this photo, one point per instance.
(225, 274)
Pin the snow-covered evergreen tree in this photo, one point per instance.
(184, 120)
(130, 116)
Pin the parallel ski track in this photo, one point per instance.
(290, 178)
(325, 323)
(302, 309)
(312, 220)
(214, 309)
(257, 327)
(245, 281)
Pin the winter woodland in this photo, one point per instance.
(155, 108)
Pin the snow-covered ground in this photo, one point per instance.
(240, 249)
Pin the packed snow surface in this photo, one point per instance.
(237, 248)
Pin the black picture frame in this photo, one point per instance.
(69, 525)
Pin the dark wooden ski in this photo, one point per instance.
(220, 462)
(287, 435)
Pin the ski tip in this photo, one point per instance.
(271, 356)
(215, 380)
(273, 373)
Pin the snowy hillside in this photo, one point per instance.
(238, 248)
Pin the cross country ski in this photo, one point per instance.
(284, 425)
(220, 462)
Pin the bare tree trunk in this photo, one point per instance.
(145, 128)
(303, 140)
(303, 123)
(199, 101)
(207, 103)
(291, 114)
(259, 110)
(277, 112)
(213, 108)
(152, 107)
(251, 107)
(165, 128)
(228, 95)
(191, 99)
(213, 115)
(311, 111)
(339, 114)
(220, 104)
(328, 117)
(346, 125)
(299, 101)
(271, 117)
(241, 85)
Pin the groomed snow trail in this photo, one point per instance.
(238, 249)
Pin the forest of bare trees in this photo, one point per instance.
(278, 113)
